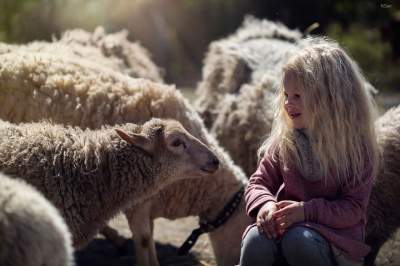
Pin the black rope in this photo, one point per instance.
(206, 227)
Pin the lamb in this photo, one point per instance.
(91, 175)
(58, 89)
(240, 76)
(31, 229)
(383, 211)
(109, 50)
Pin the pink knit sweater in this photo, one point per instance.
(337, 214)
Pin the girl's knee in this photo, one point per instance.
(301, 242)
(257, 249)
(300, 236)
(254, 239)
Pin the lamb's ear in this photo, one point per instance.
(138, 140)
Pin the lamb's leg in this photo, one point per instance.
(141, 226)
(152, 245)
(112, 235)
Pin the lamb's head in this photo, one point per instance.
(178, 152)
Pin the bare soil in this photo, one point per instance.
(169, 235)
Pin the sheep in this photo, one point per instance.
(243, 123)
(110, 50)
(135, 58)
(80, 94)
(72, 50)
(240, 76)
(91, 175)
(31, 229)
(257, 48)
(383, 211)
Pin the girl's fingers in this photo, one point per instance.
(281, 212)
(263, 228)
(280, 219)
(284, 226)
(283, 222)
(283, 203)
(272, 227)
(265, 231)
(259, 227)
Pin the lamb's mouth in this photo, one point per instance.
(208, 171)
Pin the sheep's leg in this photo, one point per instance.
(226, 240)
(141, 226)
(371, 257)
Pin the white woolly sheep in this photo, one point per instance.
(107, 50)
(91, 175)
(31, 229)
(77, 50)
(133, 56)
(83, 95)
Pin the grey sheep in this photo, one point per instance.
(258, 48)
(85, 95)
(32, 232)
(91, 175)
(383, 209)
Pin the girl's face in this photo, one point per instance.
(294, 106)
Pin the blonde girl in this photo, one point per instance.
(310, 192)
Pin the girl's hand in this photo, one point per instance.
(289, 212)
(265, 222)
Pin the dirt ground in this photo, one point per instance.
(170, 235)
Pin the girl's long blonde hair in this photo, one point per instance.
(340, 113)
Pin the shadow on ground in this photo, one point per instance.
(101, 252)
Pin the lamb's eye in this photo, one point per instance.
(177, 143)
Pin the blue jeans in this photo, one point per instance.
(299, 246)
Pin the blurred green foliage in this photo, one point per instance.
(373, 54)
(178, 32)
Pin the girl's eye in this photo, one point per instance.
(297, 96)
(285, 95)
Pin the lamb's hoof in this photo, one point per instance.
(126, 248)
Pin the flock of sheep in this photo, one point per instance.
(120, 140)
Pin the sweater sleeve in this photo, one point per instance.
(263, 185)
(345, 211)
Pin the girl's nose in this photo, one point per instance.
(289, 102)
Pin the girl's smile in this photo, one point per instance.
(294, 101)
